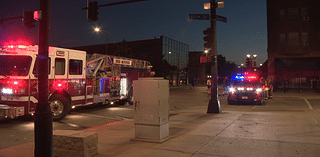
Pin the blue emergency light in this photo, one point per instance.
(238, 77)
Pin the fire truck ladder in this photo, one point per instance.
(96, 62)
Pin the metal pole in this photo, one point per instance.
(43, 114)
(214, 104)
(107, 44)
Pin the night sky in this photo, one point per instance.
(245, 32)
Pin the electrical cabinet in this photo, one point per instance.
(151, 108)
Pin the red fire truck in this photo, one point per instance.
(75, 78)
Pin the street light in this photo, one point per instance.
(206, 51)
(255, 56)
(97, 29)
(248, 55)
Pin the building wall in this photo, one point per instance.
(152, 50)
(293, 39)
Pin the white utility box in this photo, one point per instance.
(151, 108)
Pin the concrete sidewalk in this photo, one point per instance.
(195, 133)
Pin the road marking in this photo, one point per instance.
(97, 116)
(73, 125)
(315, 121)
(310, 107)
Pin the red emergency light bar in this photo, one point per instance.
(251, 77)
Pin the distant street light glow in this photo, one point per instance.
(97, 29)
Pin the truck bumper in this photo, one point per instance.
(8, 112)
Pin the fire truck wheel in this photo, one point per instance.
(59, 106)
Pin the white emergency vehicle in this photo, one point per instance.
(75, 79)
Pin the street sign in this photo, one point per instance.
(199, 16)
(206, 17)
(221, 18)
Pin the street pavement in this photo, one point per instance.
(194, 133)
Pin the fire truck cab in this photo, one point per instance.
(75, 78)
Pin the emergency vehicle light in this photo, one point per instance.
(231, 89)
(7, 91)
(251, 77)
(240, 77)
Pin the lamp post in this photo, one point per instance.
(214, 104)
(96, 29)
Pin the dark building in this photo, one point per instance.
(158, 51)
(294, 42)
(197, 70)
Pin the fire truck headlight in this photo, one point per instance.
(7, 91)
(231, 89)
(241, 88)
(259, 90)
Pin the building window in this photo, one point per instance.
(293, 39)
(293, 13)
(282, 39)
(304, 38)
(304, 12)
(281, 14)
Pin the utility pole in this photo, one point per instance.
(43, 115)
(214, 104)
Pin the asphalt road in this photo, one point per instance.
(21, 130)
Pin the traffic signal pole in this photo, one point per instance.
(43, 115)
(214, 104)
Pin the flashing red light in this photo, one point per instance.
(16, 42)
(60, 85)
(251, 77)
(14, 84)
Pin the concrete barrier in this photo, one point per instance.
(67, 143)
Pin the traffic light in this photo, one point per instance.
(92, 11)
(248, 62)
(207, 38)
(28, 20)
